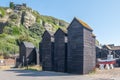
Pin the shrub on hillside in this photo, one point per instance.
(13, 16)
(37, 29)
(2, 12)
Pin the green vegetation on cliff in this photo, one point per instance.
(15, 31)
(2, 12)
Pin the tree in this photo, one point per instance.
(12, 5)
(37, 28)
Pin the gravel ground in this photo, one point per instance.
(17, 74)
(112, 74)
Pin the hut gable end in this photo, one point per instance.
(48, 36)
(28, 45)
(47, 51)
(59, 32)
(79, 22)
(74, 24)
(60, 51)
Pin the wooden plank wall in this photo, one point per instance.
(75, 48)
(59, 51)
(47, 52)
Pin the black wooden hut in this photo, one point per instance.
(47, 51)
(27, 53)
(60, 51)
(80, 48)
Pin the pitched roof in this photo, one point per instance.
(28, 44)
(83, 24)
(64, 30)
(115, 48)
(60, 29)
(107, 46)
(50, 33)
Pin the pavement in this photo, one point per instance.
(17, 74)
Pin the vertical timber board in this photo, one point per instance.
(81, 48)
(89, 52)
(94, 51)
(40, 52)
(47, 63)
(75, 48)
(59, 51)
(27, 52)
(31, 55)
(22, 53)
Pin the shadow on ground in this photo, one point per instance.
(37, 73)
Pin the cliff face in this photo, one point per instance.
(21, 23)
(17, 17)
(27, 17)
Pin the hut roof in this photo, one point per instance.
(83, 24)
(28, 44)
(112, 47)
(115, 48)
(51, 34)
(107, 47)
(64, 31)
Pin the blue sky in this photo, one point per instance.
(102, 15)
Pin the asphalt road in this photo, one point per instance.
(17, 74)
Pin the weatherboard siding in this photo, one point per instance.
(28, 53)
(47, 52)
(81, 52)
(60, 51)
(75, 48)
